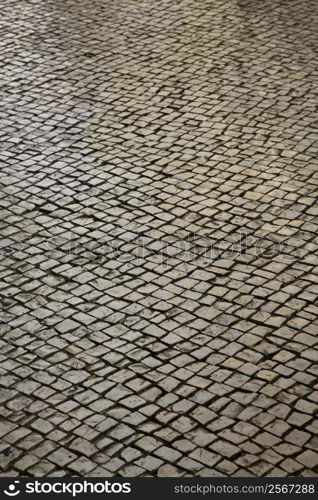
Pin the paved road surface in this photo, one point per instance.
(159, 251)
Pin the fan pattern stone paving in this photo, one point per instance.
(159, 237)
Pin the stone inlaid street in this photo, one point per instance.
(159, 246)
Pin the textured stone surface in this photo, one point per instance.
(158, 237)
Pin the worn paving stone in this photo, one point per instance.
(158, 278)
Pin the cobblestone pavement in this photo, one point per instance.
(159, 237)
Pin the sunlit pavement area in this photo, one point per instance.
(159, 237)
